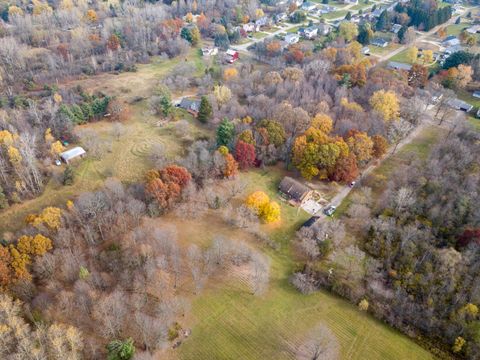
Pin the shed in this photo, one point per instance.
(451, 40)
(292, 38)
(73, 153)
(379, 42)
(458, 104)
(294, 189)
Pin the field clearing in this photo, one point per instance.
(128, 159)
(335, 14)
(229, 323)
(376, 50)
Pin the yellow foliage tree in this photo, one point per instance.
(189, 17)
(230, 73)
(15, 11)
(427, 56)
(6, 138)
(91, 15)
(386, 103)
(353, 106)
(257, 200)
(458, 345)
(50, 216)
(56, 148)
(363, 305)
(40, 8)
(34, 245)
(271, 212)
(412, 54)
(57, 98)
(222, 94)
(19, 263)
(259, 13)
(469, 309)
(323, 123)
(48, 136)
(14, 155)
(70, 205)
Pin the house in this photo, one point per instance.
(476, 94)
(232, 56)
(310, 32)
(191, 105)
(396, 28)
(292, 39)
(249, 27)
(453, 49)
(281, 17)
(209, 51)
(263, 21)
(69, 155)
(294, 190)
(474, 29)
(451, 40)
(460, 105)
(399, 66)
(325, 9)
(324, 29)
(308, 6)
(365, 50)
(377, 12)
(379, 42)
(478, 113)
(352, 2)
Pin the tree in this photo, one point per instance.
(464, 76)
(34, 245)
(360, 144)
(230, 73)
(244, 154)
(271, 212)
(320, 345)
(382, 22)
(412, 55)
(365, 33)
(231, 166)
(457, 58)
(363, 305)
(120, 350)
(3, 199)
(427, 56)
(205, 111)
(225, 133)
(257, 201)
(348, 31)
(386, 104)
(113, 43)
(418, 76)
(380, 146)
(274, 130)
(91, 15)
(222, 94)
(346, 169)
(118, 110)
(322, 122)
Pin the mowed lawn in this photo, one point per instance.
(230, 323)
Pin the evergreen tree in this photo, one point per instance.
(120, 350)
(364, 34)
(186, 34)
(68, 176)
(205, 111)
(348, 16)
(382, 21)
(225, 133)
(401, 33)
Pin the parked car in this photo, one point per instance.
(352, 184)
(329, 210)
(58, 162)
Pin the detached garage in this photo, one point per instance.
(69, 155)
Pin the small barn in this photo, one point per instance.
(69, 155)
(294, 190)
(191, 105)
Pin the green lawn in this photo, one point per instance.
(475, 122)
(376, 50)
(456, 29)
(467, 97)
(259, 35)
(230, 323)
(335, 14)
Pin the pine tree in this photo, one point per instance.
(225, 133)
(205, 111)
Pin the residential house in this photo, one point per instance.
(209, 51)
(458, 104)
(231, 56)
(292, 39)
(310, 32)
(453, 49)
(377, 12)
(281, 17)
(191, 105)
(308, 6)
(380, 42)
(365, 50)
(474, 29)
(451, 40)
(69, 155)
(249, 27)
(399, 66)
(326, 9)
(324, 29)
(396, 28)
(294, 190)
(263, 21)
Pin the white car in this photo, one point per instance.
(58, 162)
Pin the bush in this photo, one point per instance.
(68, 176)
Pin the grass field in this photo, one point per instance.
(335, 14)
(376, 50)
(128, 158)
(230, 323)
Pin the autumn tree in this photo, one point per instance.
(386, 104)
(166, 185)
(119, 111)
(230, 73)
(259, 202)
(113, 43)
(412, 55)
(274, 130)
(222, 94)
(348, 30)
(345, 170)
(34, 245)
(417, 76)
(380, 146)
(244, 154)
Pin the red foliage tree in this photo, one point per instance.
(164, 193)
(244, 154)
(468, 237)
(345, 170)
(113, 42)
(175, 174)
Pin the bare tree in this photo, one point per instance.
(321, 345)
